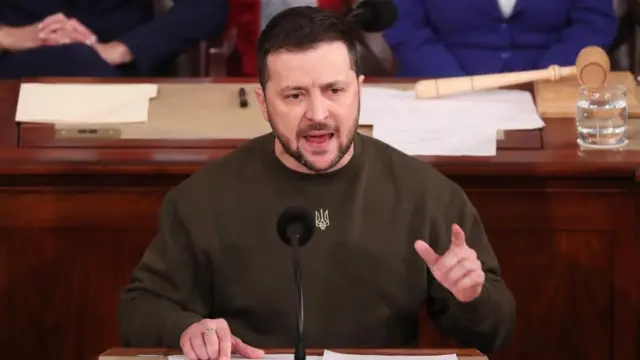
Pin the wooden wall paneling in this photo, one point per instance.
(9, 90)
(70, 253)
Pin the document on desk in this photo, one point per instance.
(266, 357)
(331, 355)
(64, 103)
(454, 125)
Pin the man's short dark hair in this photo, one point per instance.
(301, 28)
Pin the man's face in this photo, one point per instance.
(312, 101)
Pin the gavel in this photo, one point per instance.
(592, 68)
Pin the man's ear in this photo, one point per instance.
(360, 80)
(262, 101)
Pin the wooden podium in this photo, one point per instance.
(563, 222)
(162, 354)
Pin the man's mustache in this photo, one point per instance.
(317, 126)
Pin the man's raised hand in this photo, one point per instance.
(458, 269)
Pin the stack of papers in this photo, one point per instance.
(85, 103)
(330, 355)
(455, 126)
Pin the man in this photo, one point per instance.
(392, 233)
(101, 38)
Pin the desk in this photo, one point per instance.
(562, 222)
(463, 354)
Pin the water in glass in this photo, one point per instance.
(601, 117)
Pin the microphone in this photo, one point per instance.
(295, 228)
(374, 15)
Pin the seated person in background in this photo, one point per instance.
(249, 17)
(100, 38)
(216, 279)
(436, 38)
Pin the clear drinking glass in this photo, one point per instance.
(601, 116)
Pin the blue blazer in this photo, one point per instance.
(152, 39)
(443, 38)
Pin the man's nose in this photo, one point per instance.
(317, 109)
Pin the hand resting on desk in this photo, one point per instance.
(211, 339)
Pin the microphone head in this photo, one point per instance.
(374, 15)
(296, 222)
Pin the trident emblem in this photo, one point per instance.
(322, 219)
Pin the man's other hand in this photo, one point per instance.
(211, 339)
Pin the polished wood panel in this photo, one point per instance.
(463, 354)
(8, 104)
(75, 219)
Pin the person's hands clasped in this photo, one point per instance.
(458, 269)
(54, 30)
(59, 29)
(211, 339)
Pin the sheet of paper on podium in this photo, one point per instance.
(85, 103)
(330, 355)
(456, 125)
(266, 357)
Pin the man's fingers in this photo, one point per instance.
(426, 253)
(199, 347)
(212, 344)
(224, 337)
(187, 350)
(246, 351)
(470, 279)
(457, 236)
(456, 272)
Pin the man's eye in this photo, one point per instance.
(294, 96)
(336, 91)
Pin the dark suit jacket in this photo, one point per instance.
(152, 39)
(442, 38)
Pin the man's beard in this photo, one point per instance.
(343, 148)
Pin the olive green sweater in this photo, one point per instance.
(217, 255)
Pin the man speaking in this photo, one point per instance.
(391, 232)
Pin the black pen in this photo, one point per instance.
(242, 96)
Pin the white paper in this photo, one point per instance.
(85, 103)
(502, 109)
(266, 357)
(330, 355)
(432, 141)
(462, 125)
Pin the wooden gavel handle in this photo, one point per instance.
(426, 89)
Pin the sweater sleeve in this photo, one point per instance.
(171, 33)
(487, 322)
(168, 292)
(416, 49)
(591, 22)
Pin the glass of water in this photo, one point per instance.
(601, 116)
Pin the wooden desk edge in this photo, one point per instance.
(402, 351)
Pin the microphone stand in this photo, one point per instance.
(300, 352)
